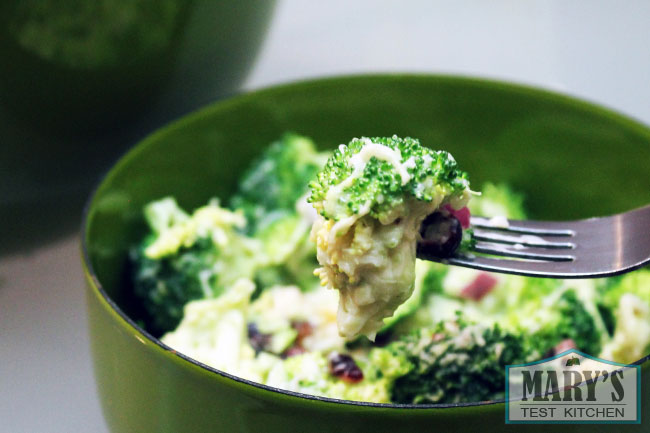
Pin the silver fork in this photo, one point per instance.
(590, 248)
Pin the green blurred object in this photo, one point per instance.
(571, 159)
(80, 81)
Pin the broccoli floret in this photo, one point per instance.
(291, 254)
(637, 283)
(214, 332)
(187, 258)
(272, 194)
(570, 321)
(625, 309)
(498, 200)
(275, 181)
(456, 362)
(164, 286)
(631, 338)
(382, 173)
(372, 197)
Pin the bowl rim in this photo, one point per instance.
(236, 97)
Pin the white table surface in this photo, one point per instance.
(597, 50)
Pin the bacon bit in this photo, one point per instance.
(462, 215)
(293, 351)
(304, 329)
(344, 367)
(481, 286)
(564, 345)
(438, 336)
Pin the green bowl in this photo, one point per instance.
(80, 81)
(571, 158)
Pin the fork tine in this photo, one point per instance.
(525, 240)
(521, 252)
(588, 248)
(539, 228)
(517, 267)
(531, 268)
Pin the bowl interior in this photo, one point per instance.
(570, 158)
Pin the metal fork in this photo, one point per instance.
(590, 248)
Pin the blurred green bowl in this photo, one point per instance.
(572, 159)
(81, 80)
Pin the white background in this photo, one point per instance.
(598, 50)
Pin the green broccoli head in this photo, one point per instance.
(498, 200)
(165, 285)
(188, 257)
(612, 289)
(456, 361)
(274, 182)
(291, 255)
(380, 174)
(637, 283)
(570, 321)
(272, 194)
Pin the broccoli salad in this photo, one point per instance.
(306, 279)
(372, 197)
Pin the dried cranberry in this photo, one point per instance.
(258, 340)
(344, 367)
(438, 336)
(564, 345)
(441, 236)
(481, 286)
(303, 328)
(463, 215)
(560, 347)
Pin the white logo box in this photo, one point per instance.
(573, 387)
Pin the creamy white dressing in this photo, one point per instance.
(358, 162)
(213, 331)
(344, 224)
(371, 149)
(410, 163)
